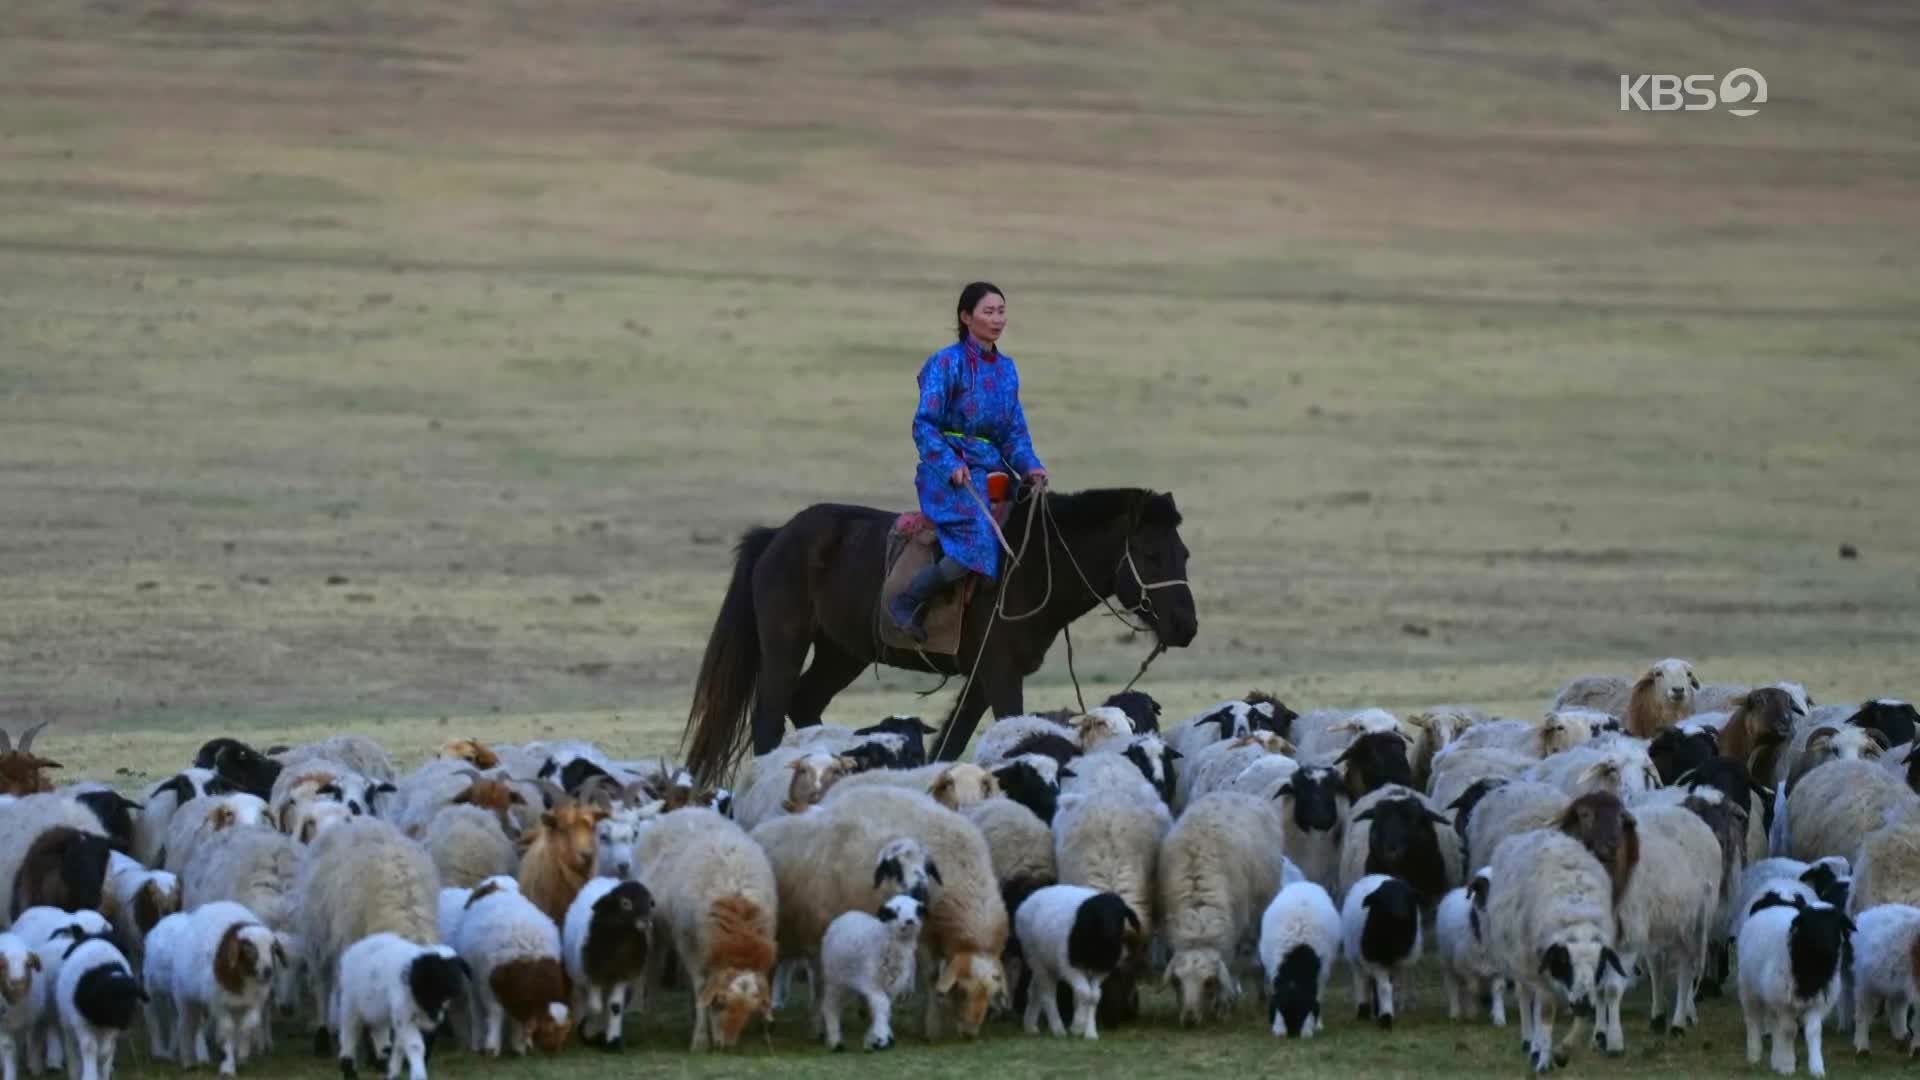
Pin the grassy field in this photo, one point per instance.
(410, 369)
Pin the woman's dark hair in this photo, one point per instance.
(970, 298)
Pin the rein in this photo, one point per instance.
(1143, 608)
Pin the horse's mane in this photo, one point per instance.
(1097, 507)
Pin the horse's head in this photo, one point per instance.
(1151, 580)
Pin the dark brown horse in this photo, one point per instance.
(816, 582)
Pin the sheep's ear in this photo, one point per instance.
(548, 821)
(1064, 773)
(797, 764)
(1627, 822)
(1284, 790)
(884, 869)
(1174, 755)
(1557, 963)
(1437, 819)
(1610, 959)
(1365, 815)
(933, 871)
(306, 833)
(885, 914)
(279, 954)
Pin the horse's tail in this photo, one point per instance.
(717, 728)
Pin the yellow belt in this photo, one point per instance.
(964, 435)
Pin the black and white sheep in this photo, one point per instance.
(1792, 963)
(1078, 936)
(1396, 831)
(605, 940)
(870, 957)
(1380, 933)
(97, 997)
(400, 992)
(1300, 936)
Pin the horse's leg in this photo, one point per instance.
(998, 689)
(833, 669)
(781, 654)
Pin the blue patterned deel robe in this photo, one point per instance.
(969, 414)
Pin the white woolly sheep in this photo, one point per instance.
(1557, 730)
(1791, 968)
(1619, 764)
(51, 933)
(1886, 956)
(951, 784)
(140, 898)
(513, 951)
(200, 819)
(1380, 932)
(1321, 734)
(1220, 865)
(1828, 880)
(1886, 868)
(870, 957)
(356, 752)
(1300, 936)
(1833, 807)
(1075, 935)
(1020, 844)
(786, 781)
(1461, 941)
(826, 865)
(714, 892)
(605, 940)
(357, 880)
(1110, 840)
(1549, 904)
(222, 976)
(165, 947)
(1457, 770)
(1510, 810)
(97, 996)
(468, 846)
(398, 989)
(1215, 766)
(1672, 905)
(316, 779)
(20, 998)
(254, 866)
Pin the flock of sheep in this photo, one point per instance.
(512, 896)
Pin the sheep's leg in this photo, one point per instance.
(517, 1040)
(413, 1045)
(616, 1013)
(1362, 993)
(84, 1057)
(1091, 1005)
(159, 1028)
(593, 1017)
(250, 1026)
(226, 1031)
(56, 1045)
(9, 1057)
(1033, 1008)
(350, 1029)
(1615, 1042)
(827, 1012)
(1653, 990)
(1048, 989)
(1752, 1022)
(107, 1048)
(1816, 1065)
(880, 1028)
(1498, 1004)
(1865, 1004)
(1542, 1032)
(1383, 987)
(1523, 1001)
(496, 1023)
(701, 1037)
(1783, 1036)
(74, 1064)
(1452, 982)
(1897, 1019)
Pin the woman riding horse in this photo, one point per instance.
(969, 424)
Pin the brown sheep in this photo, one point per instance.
(471, 751)
(560, 856)
(1663, 697)
(23, 772)
(1601, 822)
(1759, 729)
(498, 797)
(64, 868)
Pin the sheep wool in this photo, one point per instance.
(513, 950)
(605, 941)
(1790, 978)
(1220, 865)
(97, 997)
(391, 985)
(1466, 960)
(1886, 946)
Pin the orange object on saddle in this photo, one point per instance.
(999, 486)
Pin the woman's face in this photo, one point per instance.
(987, 319)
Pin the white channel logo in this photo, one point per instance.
(1742, 89)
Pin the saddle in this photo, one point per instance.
(912, 544)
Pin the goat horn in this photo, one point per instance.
(26, 737)
(6, 742)
(636, 788)
(554, 792)
(598, 790)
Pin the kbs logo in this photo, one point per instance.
(1743, 87)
